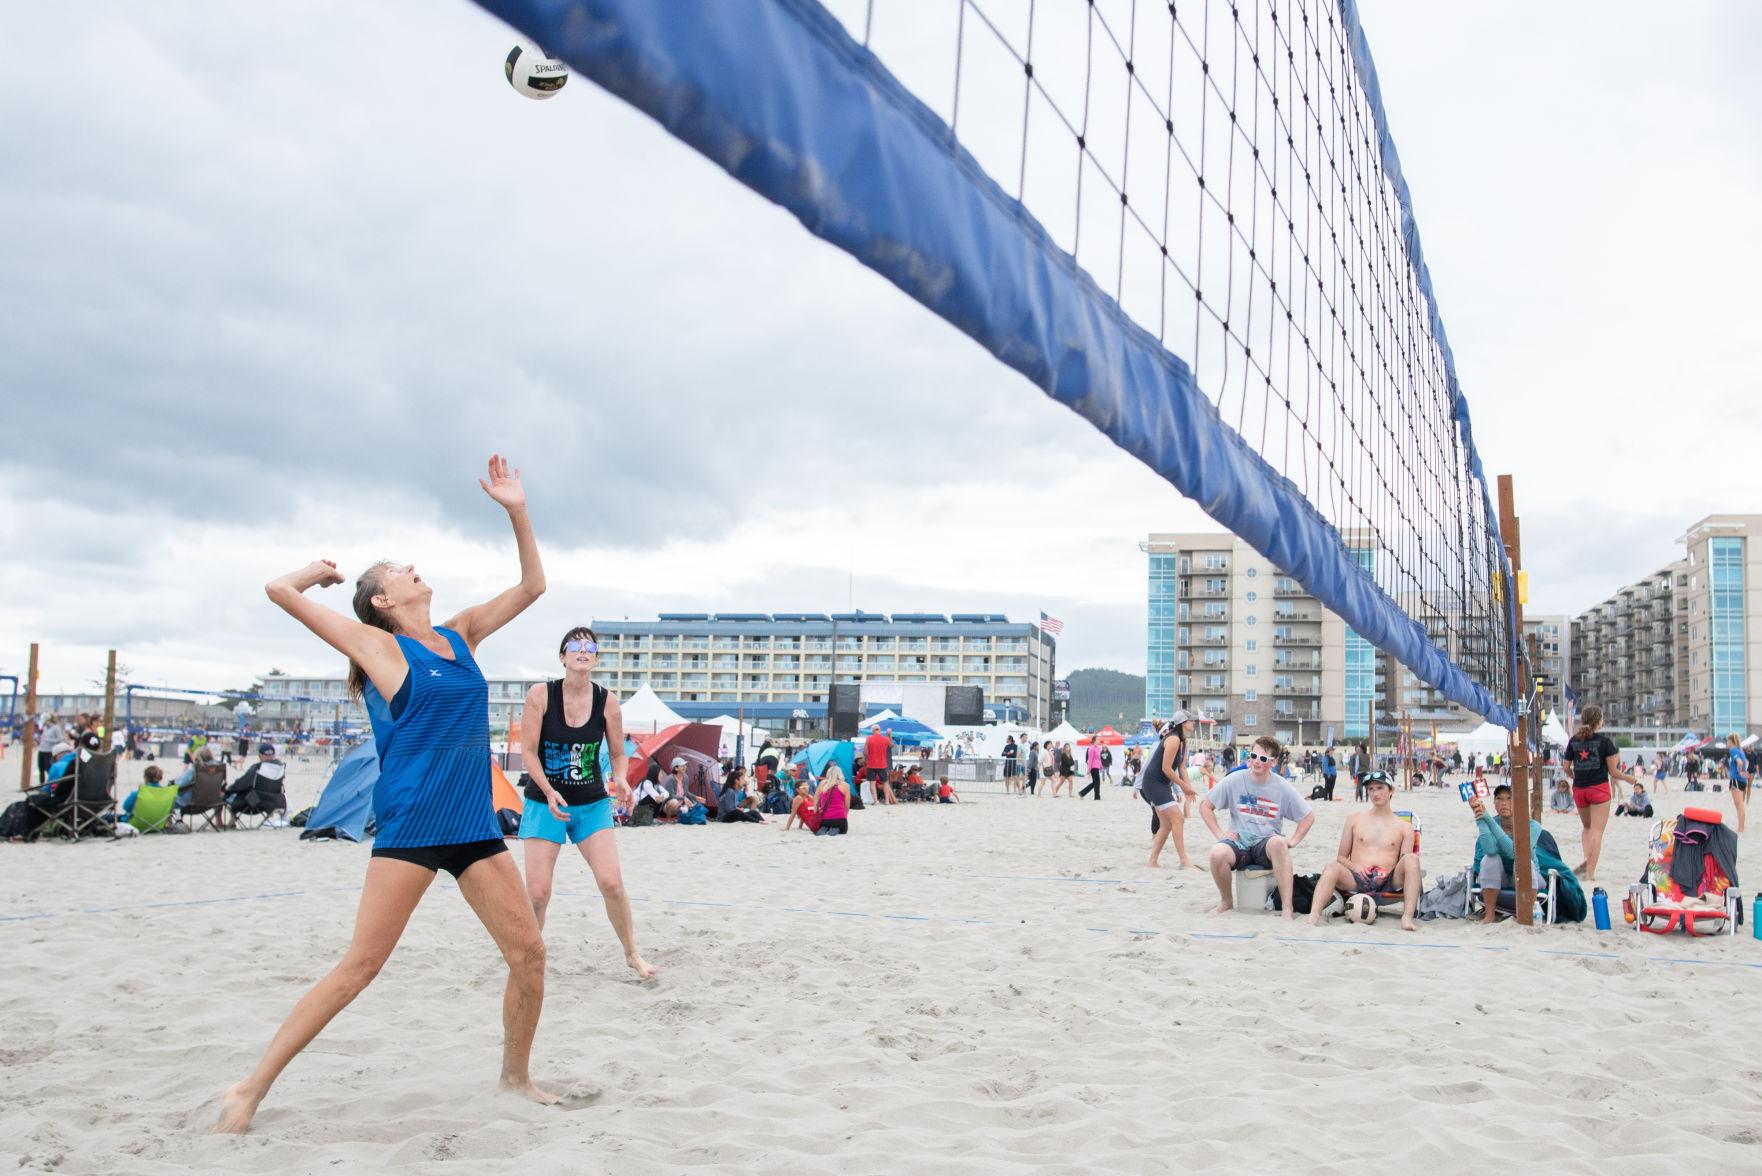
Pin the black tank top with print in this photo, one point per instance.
(571, 755)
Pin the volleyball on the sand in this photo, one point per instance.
(1361, 908)
(532, 73)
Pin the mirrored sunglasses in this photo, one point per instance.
(581, 647)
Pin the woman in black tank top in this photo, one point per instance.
(564, 727)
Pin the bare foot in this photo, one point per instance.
(1407, 924)
(1315, 919)
(1285, 915)
(526, 1090)
(1222, 908)
(1153, 864)
(640, 966)
(237, 1108)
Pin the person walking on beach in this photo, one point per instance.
(563, 726)
(429, 707)
(1092, 759)
(1594, 761)
(1737, 768)
(1032, 756)
(1164, 786)
(1360, 765)
(1010, 753)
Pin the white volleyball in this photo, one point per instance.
(532, 73)
(1361, 908)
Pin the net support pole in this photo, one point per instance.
(110, 700)
(29, 730)
(1520, 744)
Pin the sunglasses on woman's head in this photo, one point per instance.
(581, 647)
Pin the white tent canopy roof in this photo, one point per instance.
(881, 718)
(645, 713)
(1064, 733)
(1483, 740)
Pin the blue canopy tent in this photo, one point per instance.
(908, 732)
(345, 806)
(819, 755)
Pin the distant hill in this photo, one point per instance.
(1100, 698)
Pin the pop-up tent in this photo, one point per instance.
(819, 755)
(1107, 737)
(1486, 739)
(345, 807)
(645, 713)
(695, 743)
(906, 732)
(1063, 733)
(732, 727)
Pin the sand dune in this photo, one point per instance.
(997, 986)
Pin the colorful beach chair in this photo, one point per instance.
(1707, 906)
(154, 806)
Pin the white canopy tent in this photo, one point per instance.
(1063, 733)
(1486, 739)
(733, 728)
(645, 713)
(1553, 730)
(879, 718)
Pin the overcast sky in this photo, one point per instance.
(276, 281)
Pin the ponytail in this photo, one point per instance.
(366, 588)
(1588, 722)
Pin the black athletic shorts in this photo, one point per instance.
(454, 859)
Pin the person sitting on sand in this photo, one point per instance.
(1376, 856)
(832, 803)
(803, 811)
(1561, 799)
(1637, 805)
(733, 805)
(651, 802)
(945, 793)
(1259, 803)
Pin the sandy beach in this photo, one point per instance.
(999, 986)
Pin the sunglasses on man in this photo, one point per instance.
(1261, 756)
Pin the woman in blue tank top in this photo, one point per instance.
(429, 707)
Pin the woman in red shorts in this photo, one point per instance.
(1594, 761)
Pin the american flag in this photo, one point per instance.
(1050, 624)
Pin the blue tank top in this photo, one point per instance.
(433, 740)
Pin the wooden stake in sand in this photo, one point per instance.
(110, 701)
(30, 723)
(1520, 744)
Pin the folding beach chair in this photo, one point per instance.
(83, 813)
(154, 806)
(252, 808)
(207, 800)
(1711, 901)
(1549, 895)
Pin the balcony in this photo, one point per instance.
(1284, 591)
(1312, 690)
(1296, 663)
(1201, 592)
(1218, 640)
(1298, 640)
(1294, 614)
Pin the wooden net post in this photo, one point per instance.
(1520, 747)
(29, 731)
(110, 701)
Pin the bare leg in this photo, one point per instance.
(1584, 824)
(1222, 862)
(1490, 905)
(1597, 817)
(1408, 871)
(1739, 801)
(493, 888)
(1333, 877)
(601, 852)
(541, 869)
(1278, 851)
(391, 892)
(1158, 839)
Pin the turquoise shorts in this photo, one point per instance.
(537, 820)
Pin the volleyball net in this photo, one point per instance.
(1187, 222)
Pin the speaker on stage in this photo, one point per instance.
(845, 709)
(964, 706)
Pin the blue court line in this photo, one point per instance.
(1296, 939)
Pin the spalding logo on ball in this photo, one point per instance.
(532, 73)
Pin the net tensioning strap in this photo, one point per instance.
(1186, 222)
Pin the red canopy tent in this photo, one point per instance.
(1107, 737)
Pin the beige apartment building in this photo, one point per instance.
(1681, 649)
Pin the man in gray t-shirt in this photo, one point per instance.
(1258, 802)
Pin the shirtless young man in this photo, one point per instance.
(1376, 856)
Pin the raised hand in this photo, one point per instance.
(503, 484)
(322, 573)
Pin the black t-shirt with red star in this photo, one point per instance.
(1589, 759)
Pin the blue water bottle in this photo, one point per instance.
(1600, 907)
(1756, 916)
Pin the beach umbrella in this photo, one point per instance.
(907, 732)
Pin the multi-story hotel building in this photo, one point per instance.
(1681, 649)
(1232, 636)
(775, 669)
